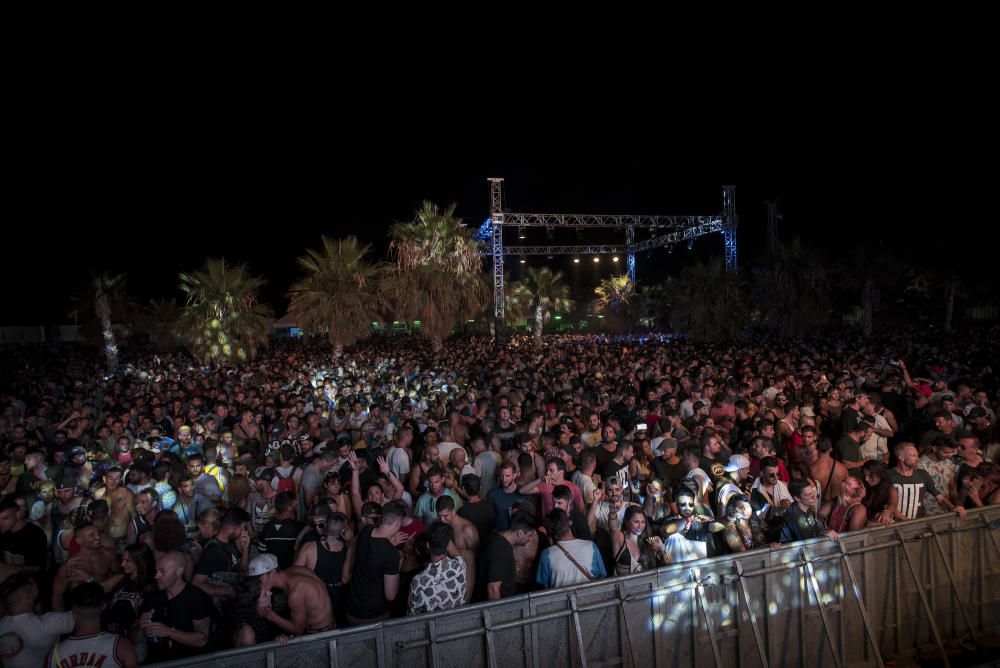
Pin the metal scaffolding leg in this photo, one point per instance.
(729, 212)
(496, 217)
(629, 242)
(498, 287)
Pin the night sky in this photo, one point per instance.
(155, 198)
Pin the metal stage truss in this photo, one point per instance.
(677, 229)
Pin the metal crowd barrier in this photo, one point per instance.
(887, 592)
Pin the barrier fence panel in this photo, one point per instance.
(884, 592)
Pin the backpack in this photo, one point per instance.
(286, 484)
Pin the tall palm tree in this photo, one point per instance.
(710, 302)
(792, 291)
(106, 290)
(436, 274)
(951, 284)
(223, 319)
(540, 295)
(614, 293)
(615, 298)
(101, 300)
(339, 291)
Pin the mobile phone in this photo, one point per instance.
(641, 426)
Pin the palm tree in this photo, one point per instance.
(102, 299)
(951, 284)
(223, 319)
(710, 302)
(338, 291)
(540, 295)
(792, 291)
(436, 276)
(615, 298)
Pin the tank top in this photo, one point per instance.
(141, 526)
(100, 649)
(61, 554)
(329, 564)
(840, 516)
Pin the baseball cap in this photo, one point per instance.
(659, 444)
(976, 412)
(261, 564)
(65, 483)
(737, 462)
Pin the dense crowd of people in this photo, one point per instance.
(171, 509)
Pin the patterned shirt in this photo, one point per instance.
(942, 473)
(440, 586)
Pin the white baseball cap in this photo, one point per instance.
(261, 564)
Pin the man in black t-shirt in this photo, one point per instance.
(618, 468)
(23, 546)
(225, 556)
(912, 482)
(496, 576)
(667, 465)
(177, 619)
(849, 444)
(481, 513)
(375, 574)
(278, 536)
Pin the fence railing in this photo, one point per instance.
(885, 592)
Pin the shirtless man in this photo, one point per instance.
(121, 502)
(824, 468)
(466, 537)
(525, 554)
(308, 600)
(94, 562)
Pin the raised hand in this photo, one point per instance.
(383, 465)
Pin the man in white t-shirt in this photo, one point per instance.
(25, 638)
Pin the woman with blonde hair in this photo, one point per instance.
(848, 512)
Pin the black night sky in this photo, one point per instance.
(153, 198)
